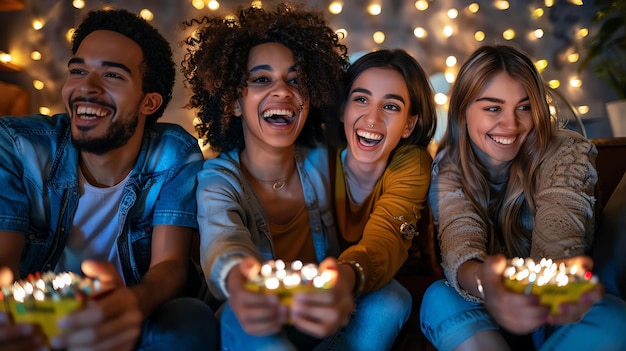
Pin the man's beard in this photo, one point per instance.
(117, 135)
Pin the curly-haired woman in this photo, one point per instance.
(264, 81)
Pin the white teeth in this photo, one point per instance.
(367, 135)
(91, 111)
(503, 140)
(278, 112)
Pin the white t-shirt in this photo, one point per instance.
(95, 227)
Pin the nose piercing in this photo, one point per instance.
(370, 126)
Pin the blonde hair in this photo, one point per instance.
(502, 215)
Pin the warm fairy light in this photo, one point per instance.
(37, 24)
(69, 34)
(421, 5)
(549, 3)
(379, 37)
(479, 35)
(44, 110)
(448, 31)
(146, 14)
(541, 65)
(213, 5)
(450, 61)
(335, 7)
(583, 109)
(573, 57)
(576, 2)
(538, 13)
(441, 99)
(473, 7)
(554, 83)
(37, 84)
(501, 5)
(79, 4)
(35, 55)
(575, 82)
(342, 33)
(538, 33)
(508, 34)
(453, 13)
(4, 57)
(374, 9)
(257, 4)
(420, 32)
(583, 32)
(450, 77)
(198, 4)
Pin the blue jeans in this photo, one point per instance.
(181, 324)
(374, 325)
(447, 319)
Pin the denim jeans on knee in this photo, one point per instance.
(374, 324)
(181, 324)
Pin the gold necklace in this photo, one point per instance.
(277, 184)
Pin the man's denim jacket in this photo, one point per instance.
(233, 223)
(38, 173)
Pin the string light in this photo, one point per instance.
(541, 65)
(420, 32)
(342, 33)
(379, 37)
(213, 5)
(37, 84)
(450, 61)
(566, 58)
(4, 57)
(473, 7)
(374, 9)
(198, 4)
(37, 24)
(421, 5)
(79, 4)
(35, 55)
(146, 14)
(508, 34)
(575, 82)
(335, 7)
(554, 83)
(583, 109)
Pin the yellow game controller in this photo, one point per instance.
(44, 298)
(275, 277)
(554, 283)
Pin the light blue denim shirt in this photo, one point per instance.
(38, 170)
(233, 223)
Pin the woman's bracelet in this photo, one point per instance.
(479, 283)
(359, 274)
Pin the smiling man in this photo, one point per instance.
(105, 191)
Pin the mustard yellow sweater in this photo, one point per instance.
(398, 197)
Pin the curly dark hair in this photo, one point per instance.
(215, 67)
(158, 67)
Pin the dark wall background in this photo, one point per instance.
(561, 24)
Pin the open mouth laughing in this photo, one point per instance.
(279, 116)
(368, 138)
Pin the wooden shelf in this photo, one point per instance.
(9, 67)
(11, 5)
